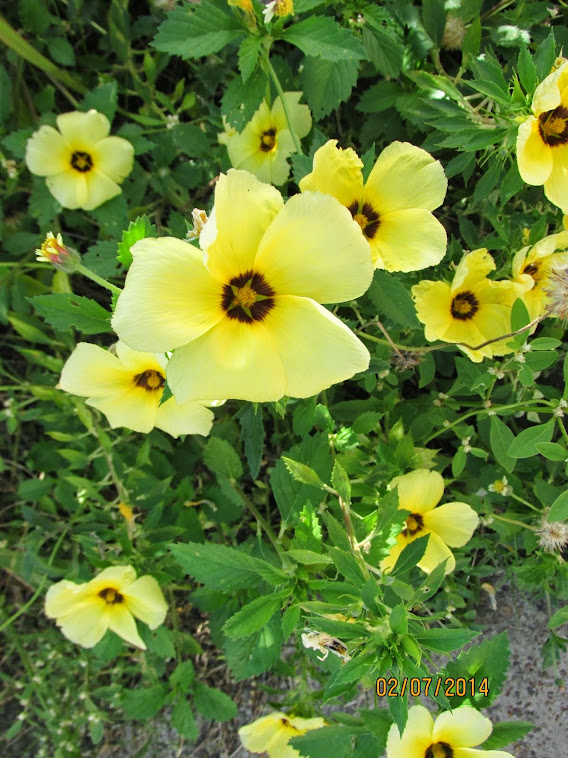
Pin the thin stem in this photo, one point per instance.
(513, 521)
(260, 519)
(562, 429)
(280, 91)
(524, 502)
(98, 279)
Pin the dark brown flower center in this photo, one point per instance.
(81, 161)
(553, 126)
(532, 270)
(248, 297)
(150, 380)
(464, 306)
(268, 140)
(111, 596)
(439, 750)
(367, 218)
(414, 524)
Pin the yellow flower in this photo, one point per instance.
(266, 142)
(453, 735)
(83, 166)
(248, 323)
(532, 267)
(393, 206)
(471, 309)
(109, 601)
(271, 734)
(59, 255)
(450, 524)
(542, 141)
(127, 388)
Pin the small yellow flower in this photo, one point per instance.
(109, 601)
(127, 388)
(533, 266)
(266, 142)
(244, 318)
(272, 733)
(450, 524)
(59, 255)
(453, 735)
(393, 206)
(280, 8)
(83, 166)
(472, 309)
(542, 141)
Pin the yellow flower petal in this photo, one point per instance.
(63, 597)
(409, 240)
(314, 249)
(316, 349)
(454, 523)
(416, 738)
(92, 371)
(433, 302)
(300, 115)
(463, 727)
(232, 360)
(467, 752)
(121, 622)
(244, 208)
(336, 172)
(307, 724)
(472, 269)
(117, 576)
(47, 152)
(405, 176)
(556, 186)
(114, 157)
(145, 600)
(534, 156)
(69, 189)
(83, 130)
(137, 362)
(419, 491)
(547, 95)
(86, 627)
(169, 297)
(100, 189)
(189, 418)
(436, 552)
(135, 409)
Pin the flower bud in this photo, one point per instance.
(59, 255)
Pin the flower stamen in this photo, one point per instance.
(367, 218)
(414, 524)
(553, 126)
(247, 297)
(111, 596)
(268, 140)
(81, 161)
(464, 306)
(150, 380)
(439, 750)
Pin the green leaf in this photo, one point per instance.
(411, 555)
(445, 640)
(391, 299)
(379, 97)
(252, 435)
(322, 37)
(61, 51)
(434, 19)
(43, 205)
(307, 535)
(347, 565)
(290, 619)
(340, 482)
(220, 457)
(224, 568)
(491, 89)
(505, 732)
(249, 656)
(552, 451)
(527, 70)
(327, 83)
(524, 444)
(144, 703)
(254, 615)
(241, 101)
(384, 51)
(183, 676)
(103, 99)
(500, 439)
(488, 659)
(62, 311)
(458, 463)
(248, 56)
(137, 230)
(559, 618)
(183, 721)
(316, 743)
(213, 704)
(198, 30)
(545, 56)
(559, 508)
(398, 620)
(302, 473)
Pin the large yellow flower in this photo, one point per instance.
(272, 733)
(542, 141)
(532, 267)
(472, 309)
(451, 524)
(109, 601)
(453, 735)
(393, 206)
(247, 324)
(127, 388)
(266, 142)
(83, 166)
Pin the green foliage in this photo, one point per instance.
(63, 311)
(137, 230)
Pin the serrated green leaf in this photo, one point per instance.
(182, 676)
(445, 640)
(524, 444)
(290, 619)
(340, 482)
(137, 230)
(103, 99)
(505, 732)
(316, 743)
(559, 508)
(241, 101)
(307, 535)
(500, 439)
(213, 704)
(302, 473)
(198, 30)
(254, 615)
(558, 618)
(144, 702)
(322, 37)
(411, 555)
(379, 97)
(391, 299)
(434, 19)
(527, 70)
(346, 564)
(545, 56)
(220, 457)
(62, 311)
(248, 56)
(327, 83)
(183, 721)
(488, 659)
(398, 619)
(249, 656)
(384, 50)
(224, 568)
(252, 435)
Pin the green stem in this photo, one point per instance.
(513, 521)
(280, 91)
(98, 279)
(562, 429)
(524, 502)
(260, 519)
